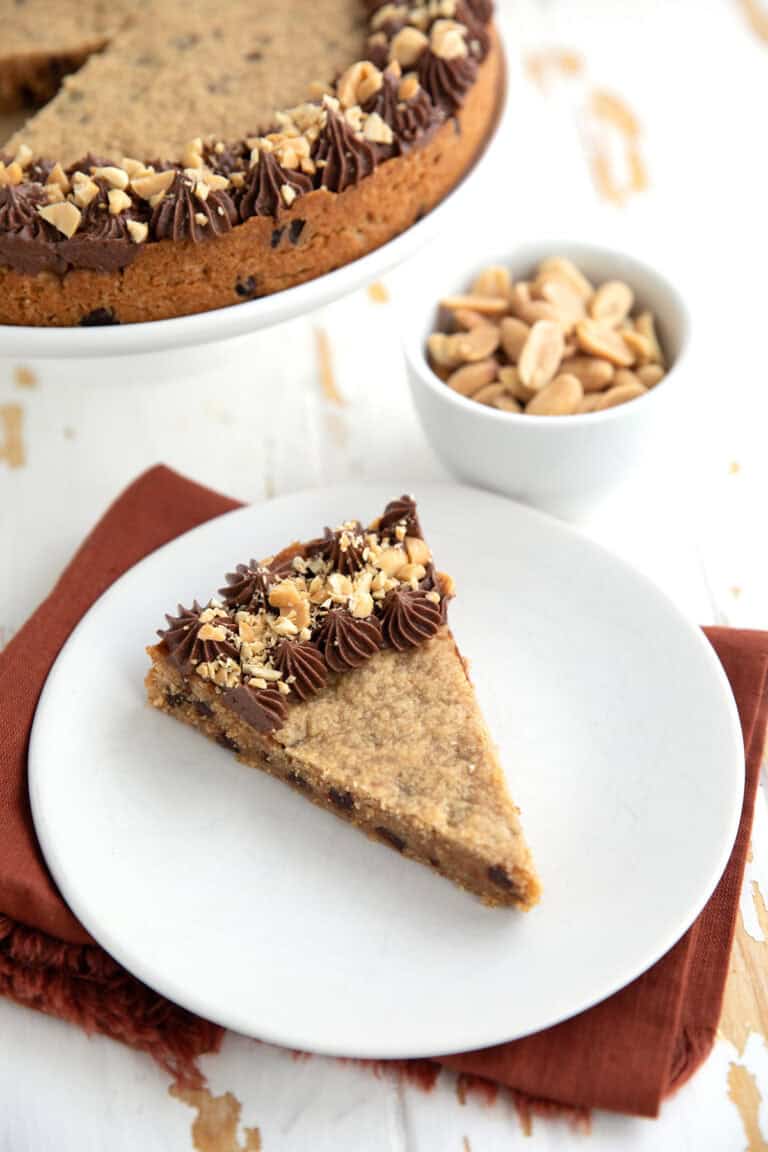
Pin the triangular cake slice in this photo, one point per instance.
(331, 666)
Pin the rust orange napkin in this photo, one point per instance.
(625, 1054)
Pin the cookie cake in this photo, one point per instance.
(183, 158)
(332, 667)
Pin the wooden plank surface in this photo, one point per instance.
(636, 123)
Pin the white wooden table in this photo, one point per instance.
(637, 123)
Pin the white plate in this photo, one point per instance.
(240, 319)
(232, 895)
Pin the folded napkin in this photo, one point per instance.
(625, 1054)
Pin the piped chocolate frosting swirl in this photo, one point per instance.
(263, 194)
(343, 157)
(247, 587)
(302, 667)
(400, 512)
(347, 642)
(409, 618)
(182, 215)
(446, 81)
(412, 121)
(190, 640)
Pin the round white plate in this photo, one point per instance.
(240, 319)
(234, 896)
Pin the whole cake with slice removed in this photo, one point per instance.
(331, 666)
(197, 156)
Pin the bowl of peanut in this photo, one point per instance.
(552, 375)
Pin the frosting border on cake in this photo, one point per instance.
(98, 214)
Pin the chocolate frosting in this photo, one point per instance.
(261, 192)
(102, 242)
(18, 210)
(182, 637)
(343, 158)
(400, 511)
(411, 120)
(233, 158)
(446, 81)
(247, 587)
(346, 641)
(175, 217)
(262, 708)
(342, 549)
(27, 242)
(408, 618)
(482, 10)
(304, 663)
(478, 34)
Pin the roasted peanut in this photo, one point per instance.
(619, 394)
(597, 339)
(541, 354)
(611, 303)
(514, 334)
(472, 377)
(560, 398)
(594, 373)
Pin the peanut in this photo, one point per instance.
(560, 398)
(472, 377)
(507, 404)
(594, 373)
(565, 300)
(490, 393)
(650, 374)
(563, 269)
(485, 305)
(417, 549)
(541, 354)
(619, 394)
(510, 378)
(493, 281)
(611, 303)
(645, 325)
(514, 334)
(598, 340)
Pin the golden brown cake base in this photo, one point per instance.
(397, 748)
(322, 231)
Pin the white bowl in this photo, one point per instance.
(566, 465)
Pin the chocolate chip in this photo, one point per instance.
(498, 875)
(246, 287)
(343, 800)
(277, 235)
(391, 838)
(420, 214)
(176, 699)
(202, 708)
(298, 781)
(98, 317)
(295, 230)
(253, 56)
(226, 742)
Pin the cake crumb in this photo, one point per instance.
(378, 292)
(325, 368)
(24, 377)
(12, 448)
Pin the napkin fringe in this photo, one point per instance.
(82, 984)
